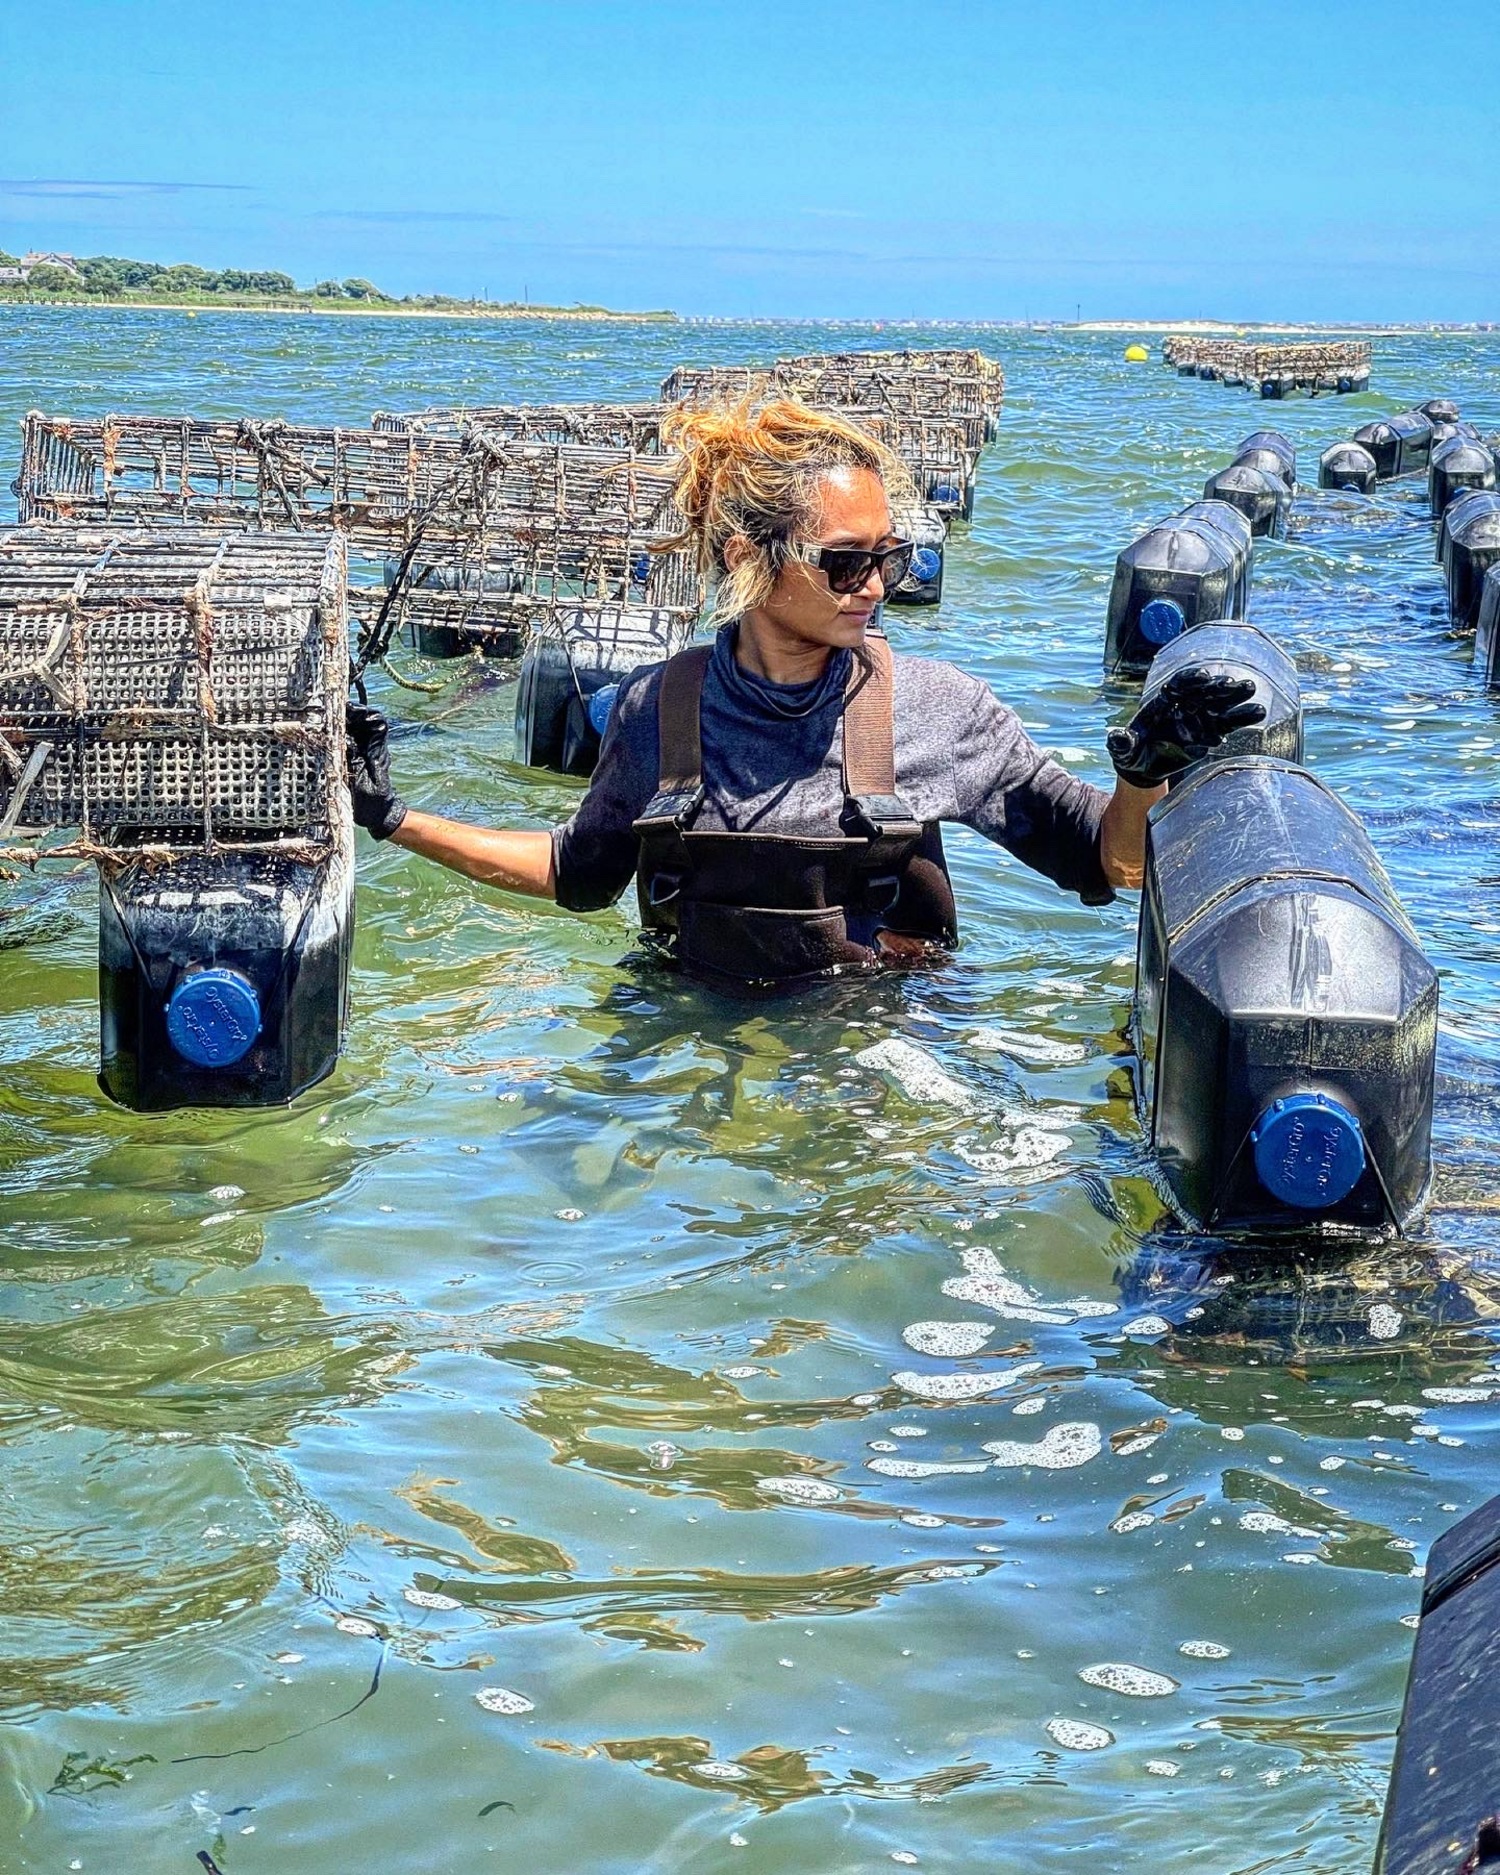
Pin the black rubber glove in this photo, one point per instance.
(1192, 713)
(377, 806)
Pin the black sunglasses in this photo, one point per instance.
(847, 568)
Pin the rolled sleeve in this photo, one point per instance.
(595, 852)
(1017, 795)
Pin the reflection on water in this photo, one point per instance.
(764, 1407)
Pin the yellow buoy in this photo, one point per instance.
(1136, 354)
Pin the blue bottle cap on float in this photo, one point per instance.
(1309, 1150)
(600, 705)
(640, 568)
(946, 491)
(213, 1018)
(926, 564)
(1161, 621)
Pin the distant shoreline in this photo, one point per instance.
(597, 315)
(354, 309)
(1244, 327)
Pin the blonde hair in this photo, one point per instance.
(754, 474)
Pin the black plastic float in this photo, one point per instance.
(1347, 465)
(1285, 1016)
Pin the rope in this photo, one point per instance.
(266, 448)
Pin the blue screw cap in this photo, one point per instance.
(600, 706)
(926, 564)
(948, 492)
(1309, 1151)
(1161, 621)
(213, 1018)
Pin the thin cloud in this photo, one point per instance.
(415, 216)
(108, 190)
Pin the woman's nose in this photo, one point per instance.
(874, 586)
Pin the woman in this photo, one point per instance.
(778, 795)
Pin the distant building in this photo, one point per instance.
(14, 276)
(65, 261)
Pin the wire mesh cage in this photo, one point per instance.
(941, 361)
(123, 470)
(936, 410)
(1340, 365)
(636, 427)
(718, 384)
(179, 689)
(953, 384)
(538, 529)
(940, 397)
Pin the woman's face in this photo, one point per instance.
(854, 513)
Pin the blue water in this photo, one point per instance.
(487, 1365)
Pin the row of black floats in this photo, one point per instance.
(172, 709)
(1389, 447)
(1285, 1017)
(1462, 467)
(1196, 565)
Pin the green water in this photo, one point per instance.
(487, 1365)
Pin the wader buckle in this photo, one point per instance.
(663, 887)
(678, 806)
(873, 816)
(881, 894)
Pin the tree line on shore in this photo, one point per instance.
(106, 277)
(115, 276)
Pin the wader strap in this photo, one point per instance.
(870, 725)
(681, 769)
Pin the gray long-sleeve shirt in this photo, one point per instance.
(772, 763)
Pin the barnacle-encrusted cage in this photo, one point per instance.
(956, 402)
(474, 529)
(952, 384)
(935, 409)
(636, 427)
(171, 690)
(936, 454)
(532, 531)
(1341, 365)
(120, 470)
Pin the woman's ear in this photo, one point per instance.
(739, 550)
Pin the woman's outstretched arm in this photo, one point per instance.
(515, 861)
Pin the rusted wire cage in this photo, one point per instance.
(636, 427)
(962, 386)
(936, 455)
(537, 530)
(170, 691)
(718, 384)
(1338, 365)
(231, 474)
(478, 532)
(952, 361)
(936, 410)
(957, 402)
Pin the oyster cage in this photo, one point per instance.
(537, 531)
(170, 691)
(1340, 365)
(635, 427)
(231, 474)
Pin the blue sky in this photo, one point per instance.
(1321, 160)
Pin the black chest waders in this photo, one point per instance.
(767, 910)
